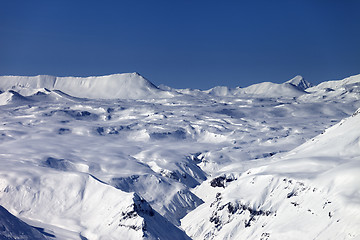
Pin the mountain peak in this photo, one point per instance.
(136, 74)
(299, 82)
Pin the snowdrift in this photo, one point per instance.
(124, 86)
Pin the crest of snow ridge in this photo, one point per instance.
(134, 86)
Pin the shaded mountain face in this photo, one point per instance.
(145, 163)
(13, 228)
(300, 82)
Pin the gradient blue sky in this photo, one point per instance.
(195, 44)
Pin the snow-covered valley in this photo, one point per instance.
(116, 157)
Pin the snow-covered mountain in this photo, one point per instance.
(293, 88)
(268, 89)
(300, 82)
(115, 157)
(125, 86)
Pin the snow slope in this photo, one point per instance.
(338, 84)
(81, 204)
(341, 90)
(310, 193)
(146, 163)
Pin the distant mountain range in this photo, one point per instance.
(134, 86)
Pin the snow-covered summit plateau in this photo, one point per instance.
(115, 157)
(125, 86)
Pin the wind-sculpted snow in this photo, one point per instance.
(85, 166)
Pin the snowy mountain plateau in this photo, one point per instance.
(116, 157)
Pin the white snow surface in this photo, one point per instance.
(312, 192)
(115, 157)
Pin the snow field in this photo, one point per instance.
(103, 157)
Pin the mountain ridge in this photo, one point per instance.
(135, 86)
(124, 85)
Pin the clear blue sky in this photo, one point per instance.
(195, 44)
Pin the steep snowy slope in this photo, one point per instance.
(126, 85)
(79, 204)
(13, 228)
(19, 82)
(310, 193)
